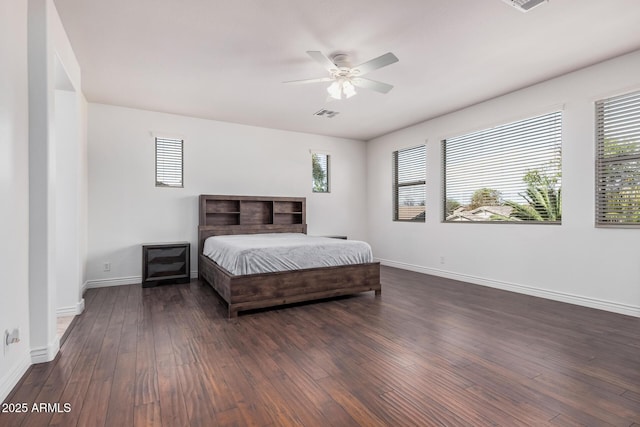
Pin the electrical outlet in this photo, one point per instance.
(12, 337)
(106, 266)
(441, 260)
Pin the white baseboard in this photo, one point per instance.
(73, 310)
(65, 311)
(45, 354)
(614, 307)
(9, 380)
(117, 281)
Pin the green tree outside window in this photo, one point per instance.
(320, 172)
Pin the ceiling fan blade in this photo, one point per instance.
(372, 84)
(319, 80)
(322, 59)
(379, 62)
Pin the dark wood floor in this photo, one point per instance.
(429, 351)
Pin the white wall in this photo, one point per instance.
(14, 191)
(68, 123)
(68, 213)
(51, 64)
(43, 341)
(574, 262)
(127, 210)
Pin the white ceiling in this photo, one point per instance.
(225, 59)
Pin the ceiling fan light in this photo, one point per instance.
(348, 89)
(334, 90)
(342, 88)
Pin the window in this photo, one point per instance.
(320, 172)
(409, 177)
(618, 161)
(169, 162)
(508, 173)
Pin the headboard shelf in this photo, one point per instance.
(249, 210)
(220, 215)
(256, 212)
(223, 206)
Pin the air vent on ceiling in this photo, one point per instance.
(326, 113)
(524, 5)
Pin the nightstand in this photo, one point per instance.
(164, 263)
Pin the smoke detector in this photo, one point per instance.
(524, 5)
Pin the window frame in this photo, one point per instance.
(158, 182)
(630, 97)
(556, 118)
(396, 186)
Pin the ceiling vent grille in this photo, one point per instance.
(524, 5)
(326, 113)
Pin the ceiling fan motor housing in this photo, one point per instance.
(341, 60)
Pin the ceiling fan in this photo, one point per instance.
(345, 78)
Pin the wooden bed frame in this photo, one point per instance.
(224, 215)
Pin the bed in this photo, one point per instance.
(281, 217)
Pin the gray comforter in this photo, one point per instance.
(265, 253)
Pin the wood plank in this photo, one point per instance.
(148, 415)
(122, 398)
(431, 351)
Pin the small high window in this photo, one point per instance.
(320, 172)
(169, 162)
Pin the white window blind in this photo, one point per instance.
(618, 161)
(409, 178)
(320, 172)
(169, 164)
(509, 173)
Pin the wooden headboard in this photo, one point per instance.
(223, 215)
